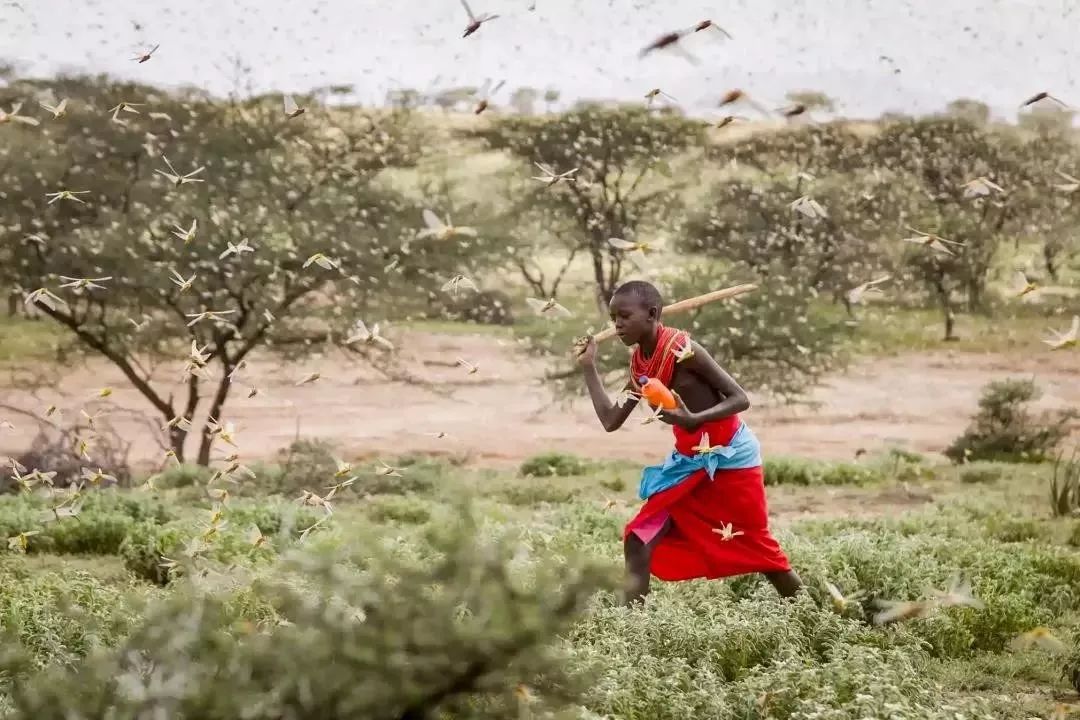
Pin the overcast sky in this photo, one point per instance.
(996, 51)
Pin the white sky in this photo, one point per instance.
(996, 51)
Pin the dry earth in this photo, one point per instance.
(502, 414)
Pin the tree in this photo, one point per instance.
(974, 111)
(288, 189)
(624, 185)
(551, 96)
(523, 100)
(753, 225)
(813, 100)
(935, 158)
(770, 340)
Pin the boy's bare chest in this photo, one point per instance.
(695, 392)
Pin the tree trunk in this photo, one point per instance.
(1050, 259)
(603, 292)
(942, 294)
(12, 304)
(176, 442)
(207, 440)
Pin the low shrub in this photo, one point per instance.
(981, 474)
(554, 464)
(528, 492)
(484, 307)
(1004, 430)
(456, 636)
(59, 617)
(791, 471)
(402, 509)
(144, 547)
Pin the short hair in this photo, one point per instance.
(645, 292)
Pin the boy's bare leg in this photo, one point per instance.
(787, 583)
(638, 560)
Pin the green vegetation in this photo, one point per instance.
(1003, 428)
(431, 604)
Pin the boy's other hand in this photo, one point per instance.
(586, 351)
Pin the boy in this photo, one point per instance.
(705, 513)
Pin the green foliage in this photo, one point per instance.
(624, 186)
(290, 189)
(529, 493)
(749, 222)
(58, 618)
(554, 464)
(407, 510)
(485, 307)
(981, 474)
(103, 522)
(1004, 430)
(455, 635)
(144, 548)
(770, 340)
(794, 471)
(1065, 485)
(182, 476)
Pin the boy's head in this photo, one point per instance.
(635, 309)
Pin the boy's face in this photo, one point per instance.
(633, 319)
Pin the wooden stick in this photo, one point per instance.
(689, 304)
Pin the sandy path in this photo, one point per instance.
(502, 415)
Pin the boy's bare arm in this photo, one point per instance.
(734, 400)
(611, 416)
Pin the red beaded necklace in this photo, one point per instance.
(661, 364)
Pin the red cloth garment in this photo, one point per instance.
(700, 506)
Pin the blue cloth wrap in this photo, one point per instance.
(743, 452)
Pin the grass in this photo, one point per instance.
(22, 339)
(700, 649)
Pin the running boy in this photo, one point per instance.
(705, 513)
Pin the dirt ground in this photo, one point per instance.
(503, 414)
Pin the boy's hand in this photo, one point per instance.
(586, 351)
(680, 415)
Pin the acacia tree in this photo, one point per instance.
(624, 185)
(936, 157)
(286, 189)
(748, 219)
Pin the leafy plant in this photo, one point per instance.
(1004, 430)
(792, 471)
(554, 464)
(1065, 485)
(349, 636)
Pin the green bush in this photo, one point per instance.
(529, 492)
(406, 510)
(792, 471)
(554, 464)
(1074, 536)
(94, 534)
(1011, 529)
(484, 307)
(182, 476)
(272, 518)
(614, 483)
(981, 474)
(1003, 429)
(105, 518)
(455, 636)
(60, 617)
(143, 548)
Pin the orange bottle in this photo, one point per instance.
(656, 393)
